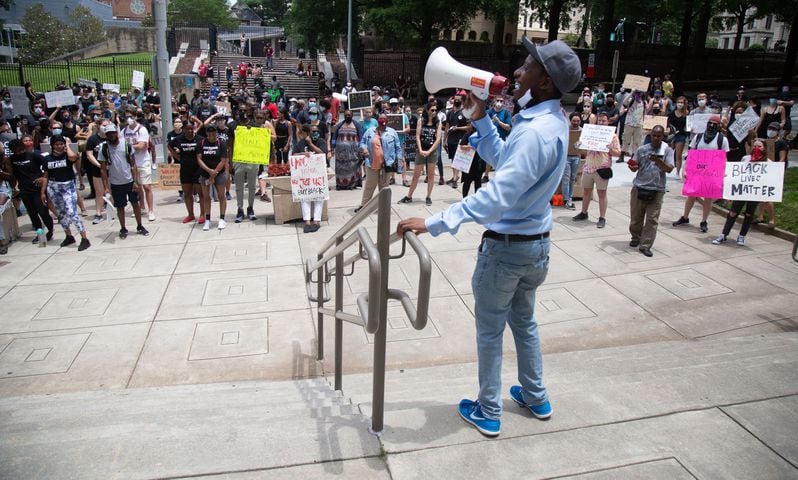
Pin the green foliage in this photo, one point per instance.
(785, 211)
(86, 28)
(314, 25)
(541, 9)
(756, 48)
(46, 36)
(571, 39)
(414, 21)
(273, 12)
(712, 43)
(196, 11)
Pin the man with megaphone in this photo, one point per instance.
(513, 256)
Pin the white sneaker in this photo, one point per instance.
(206, 226)
(151, 216)
(222, 224)
(721, 238)
(741, 240)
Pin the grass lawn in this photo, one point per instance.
(130, 57)
(787, 210)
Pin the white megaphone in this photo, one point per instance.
(443, 71)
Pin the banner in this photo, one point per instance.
(138, 79)
(651, 121)
(595, 138)
(636, 82)
(754, 181)
(86, 83)
(59, 97)
(309, 177)
(252, 145)
(742, 125)
(697, 123)
(19, 100)
(358, 100)
(463, 158)
(704, 173)
(169, 175)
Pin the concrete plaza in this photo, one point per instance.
(190, 354)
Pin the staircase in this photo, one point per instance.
(295, 86)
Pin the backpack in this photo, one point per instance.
(106, 154)
(718, 139)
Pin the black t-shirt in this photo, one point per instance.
(205, 112)
(27, 167)
(69, 132)
(781, 146)
(611, 112)
(455, 118)
(187, 149)
(58, 168)
(212, 153)
(92, 144)
(427, 136)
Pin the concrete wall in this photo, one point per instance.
(118, 40)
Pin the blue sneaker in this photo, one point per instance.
(472, 413)
(542, 411)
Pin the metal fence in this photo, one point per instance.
(45, 77)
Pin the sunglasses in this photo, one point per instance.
(432, 110)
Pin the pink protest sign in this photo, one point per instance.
(704, 173)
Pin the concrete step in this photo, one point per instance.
(176, 431)
(590, 388)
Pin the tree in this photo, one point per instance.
(46, 36)
(315, 25)
(273, 12)
(681, 57)
(86, 28)
(196, 11)
(738, 10)
(551, 13)
(499, 11)
(701, 27)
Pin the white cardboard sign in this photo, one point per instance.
(463, 158)
(59, 97)
(309, 177)
(138, 79)
(111, 87)
(742, 125)
(754, 181)
(697, 123)
(595, 138)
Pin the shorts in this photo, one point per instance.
(430, 159)
(122, 193)
(220, 180)
(680, 138)
(144, 173)
(593, 180)
(188, 175)
(92, 170)
(632, 136)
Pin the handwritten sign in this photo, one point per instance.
(169, 175)
(253, 145)
(59, 97)
(223, 108)
(463, 158)
(573, 139)
(86, 83)
(704, 173)
(410, 147)
(697, 123)
(742, 125)
(138, 79)
(359, 100)
(636, 82)
(19, 100)
(309, 177)
(111, 87)
(396, 121)
(651, 121)
(595, 138)
(754, 181)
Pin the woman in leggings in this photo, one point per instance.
(27, 169)
(757, 155)
(59, 185)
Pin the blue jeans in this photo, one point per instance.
(504, 284)
(569, 177)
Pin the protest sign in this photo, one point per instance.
(111, 87)
(223, 108)
(651, 121)
(59, 97)
(358, 100)
(86, 83)
(463, 158)
(754, 181)
(396, 121)
(169, 174)
(252, 145)
(19, 100)
(741, 125)
(138, 79)
(595, 138)
(309, 177)
(636, 82)
(704, 173)
(573, 138)
(410, 147)
(697, 122)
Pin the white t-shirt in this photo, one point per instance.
(698, 143)
(134, 135)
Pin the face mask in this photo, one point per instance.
(67, 118)
(599, 90)
(497, 107)
(525, 99)
(311, 104)
(313, 117)
(712, 129)
(702, 103)
(130, 121)
(314, 136)
(96, 117)
(57, 131)
(37, 110)
(756, 153)
(772, 101)
(772, 133)
(348, 119)
(382, 122)
(7, 99)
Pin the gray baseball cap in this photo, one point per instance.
(559, 61)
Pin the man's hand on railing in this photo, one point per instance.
(415, 225)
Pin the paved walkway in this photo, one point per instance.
(176, 321)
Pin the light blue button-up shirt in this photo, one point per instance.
(391, 147)
(528, 165)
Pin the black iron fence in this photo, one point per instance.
(45, 77)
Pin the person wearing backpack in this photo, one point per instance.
(139, 139)
(117, 168)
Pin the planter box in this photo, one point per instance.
(285, 209)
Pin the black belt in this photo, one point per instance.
(514, 237)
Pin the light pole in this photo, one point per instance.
(162, 61)
(349, 44)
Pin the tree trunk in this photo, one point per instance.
(702, 28)
(498, 35)
(738, 36)
(554, 19)
(585, 22)
(603, 45)
(792, 49)
(684, 42)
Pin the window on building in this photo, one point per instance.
(524, 18)
(472, 35)
(746, 42)
(766, 42)
(484, 36)
(726, 43)
(459, 35)
(769, 22)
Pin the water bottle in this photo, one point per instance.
(42, 238)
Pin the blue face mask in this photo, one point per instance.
(311, 104)
(57, 131)
(313, 117)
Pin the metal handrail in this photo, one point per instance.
(372, 306)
